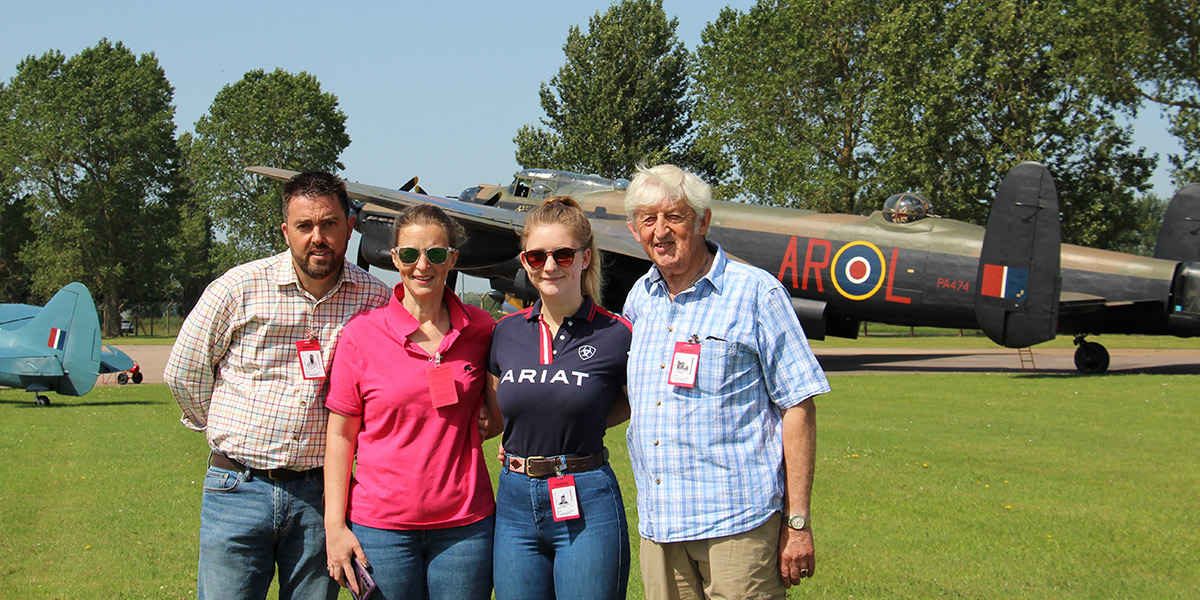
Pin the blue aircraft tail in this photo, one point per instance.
(63, 340)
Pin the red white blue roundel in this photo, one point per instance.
(858, 270)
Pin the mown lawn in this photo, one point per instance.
(971, 486)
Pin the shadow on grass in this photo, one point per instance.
(55, 403)
(963, 361)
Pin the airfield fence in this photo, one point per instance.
(149, 319)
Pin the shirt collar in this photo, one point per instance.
(402, 323)
(714, 275)
(586, 312)
(285, 274)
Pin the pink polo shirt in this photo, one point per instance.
(418, 467)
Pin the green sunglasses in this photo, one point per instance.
(408, 255)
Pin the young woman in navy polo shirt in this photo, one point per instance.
(557, 370)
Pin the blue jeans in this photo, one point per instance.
(538, 557)
(250, 524)
(436, 564)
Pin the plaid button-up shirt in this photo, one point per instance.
(235, 368)
(708, 460)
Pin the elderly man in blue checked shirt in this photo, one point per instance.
(723, 430)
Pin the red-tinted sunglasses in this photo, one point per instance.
(563, 256)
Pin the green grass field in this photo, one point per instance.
(928, 486)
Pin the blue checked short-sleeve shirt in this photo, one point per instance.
(708, 460)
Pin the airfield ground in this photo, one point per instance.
(983, 485)
(864, 360)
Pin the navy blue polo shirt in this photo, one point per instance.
(555, 394)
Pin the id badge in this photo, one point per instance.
(441, 384)
(683, 365)
(312, 364)
(563, 499)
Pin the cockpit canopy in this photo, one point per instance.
(906, 208)
(547, 183)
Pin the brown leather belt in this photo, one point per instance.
(541, 466)
(221, 461)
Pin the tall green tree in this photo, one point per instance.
(835, 104)
(620, 99)
(276, 119)
(992, 86)
(92, 144)
(784, 91)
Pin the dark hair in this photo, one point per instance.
(428, 214)
(314, 184)
(563, 210)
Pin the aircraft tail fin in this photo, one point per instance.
(1018, 281)
(68, 329)
(1179, 238)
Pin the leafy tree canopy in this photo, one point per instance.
(276, 119)
(90, 140)
(620, 99)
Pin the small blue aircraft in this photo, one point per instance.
(56, 348)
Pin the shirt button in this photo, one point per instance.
(655, 442)
(296, 437)
(658, 403)
(562, 337)
(662, 366)
(670, 329)
(555, 352)
(303, 404)
(658, 481)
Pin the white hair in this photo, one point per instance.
(650, 187)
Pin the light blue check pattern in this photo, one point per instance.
(708, 461)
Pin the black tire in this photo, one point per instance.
(137, 377)
(122, 378)
(1091, 358)
(41, 400)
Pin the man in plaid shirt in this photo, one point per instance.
(249, 369)
(723, 427)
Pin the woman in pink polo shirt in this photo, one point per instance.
(405, 389)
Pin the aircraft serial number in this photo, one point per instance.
(953, 284)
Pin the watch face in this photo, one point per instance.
(797, 522)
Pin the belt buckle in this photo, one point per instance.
(528, 460)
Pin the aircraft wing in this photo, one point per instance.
(477, 216)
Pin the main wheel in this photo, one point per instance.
(41, 400)
(137, 377)
(1091, 358)
(122, 378)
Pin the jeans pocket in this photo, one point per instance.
(220, 481)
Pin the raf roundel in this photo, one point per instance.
(586, 351)
(858, 270)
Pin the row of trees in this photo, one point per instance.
(833, 105)
(821, 104)
(95, 187)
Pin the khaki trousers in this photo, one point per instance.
(745, 565)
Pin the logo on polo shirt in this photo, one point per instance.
(586, 352)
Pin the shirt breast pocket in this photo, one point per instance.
(719, 365)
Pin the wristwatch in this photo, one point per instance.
(798, 522)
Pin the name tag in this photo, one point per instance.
(563, 498)
(312, 363)
(441, 385)
(683, 365)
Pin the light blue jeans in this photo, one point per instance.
(454, 563)
(537, 557)
(251, 524)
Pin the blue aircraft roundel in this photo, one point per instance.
(858, 270)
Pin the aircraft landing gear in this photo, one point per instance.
(1090, 358)
(41, 400)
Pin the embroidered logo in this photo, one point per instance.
(586, 352)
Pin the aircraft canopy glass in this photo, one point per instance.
(547, 183)
(906, 208)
